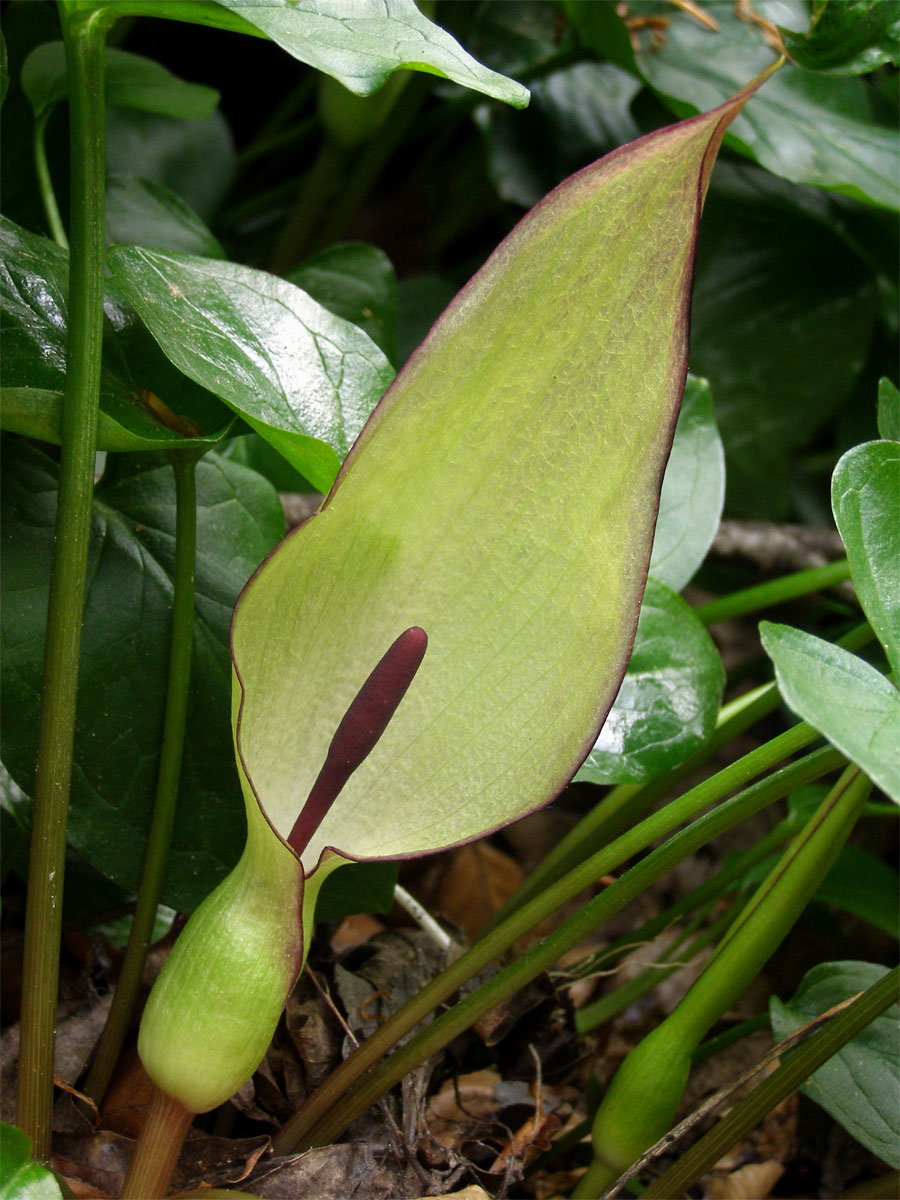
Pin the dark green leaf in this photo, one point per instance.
(807, 128)
(20, 1177)
(847, 37)
(848, 701)
(860, 1085)
(693, 490)
(254, 452)
(601, 28)
(357, 888)
(863, 885)
(669, 699)
(357, 282)
(865, 497)
(194, 159)
(420, 301)
(303, 378)
(147, 214)
(362, 45)
(136, 376)
(124, 661)
(576, 114)
(131, 81)
(888, 410)
(514, 37)
(783, 316)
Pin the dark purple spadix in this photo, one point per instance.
(360, 728)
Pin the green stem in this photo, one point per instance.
(158, 1147)
(642, 1099)
(184, 464)
(317, 1124)
(627, 803)
(84, 56)
(796, 1068)
(776, 591)
(45, 182)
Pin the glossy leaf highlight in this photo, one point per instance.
(303, 378)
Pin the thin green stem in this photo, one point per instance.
(158, 1147)
(327, 1113)
(626, 804)
(45, 182)
(184, 464)
(775, 591)
(796, 1068)
(84, 56)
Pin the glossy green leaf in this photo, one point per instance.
(693, 491)
(21, 1178)
(131, 81)
(847, 37)
(502, 497)
(806, 310)
(362, 45)
(575, 114)
(124, 662)
(667, 705)
(848, 701)
(357, 282)
(888, 410)
(865, 497)
(807, 128)
(135, 377)
(303, 378)
(860, 1085)
(145, 213)
(194, 159)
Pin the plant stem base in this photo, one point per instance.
(158, 1147)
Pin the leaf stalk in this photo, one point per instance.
(184, 465)
(84, 41)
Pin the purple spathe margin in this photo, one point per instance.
(484, 279)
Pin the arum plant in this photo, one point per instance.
(432, 655)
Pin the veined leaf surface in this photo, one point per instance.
(503, 497)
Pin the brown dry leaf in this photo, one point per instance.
(348, 1171)
(751, 1182)
(532, 1138)
(353, 931)
(478, 880)
(468, 1098)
